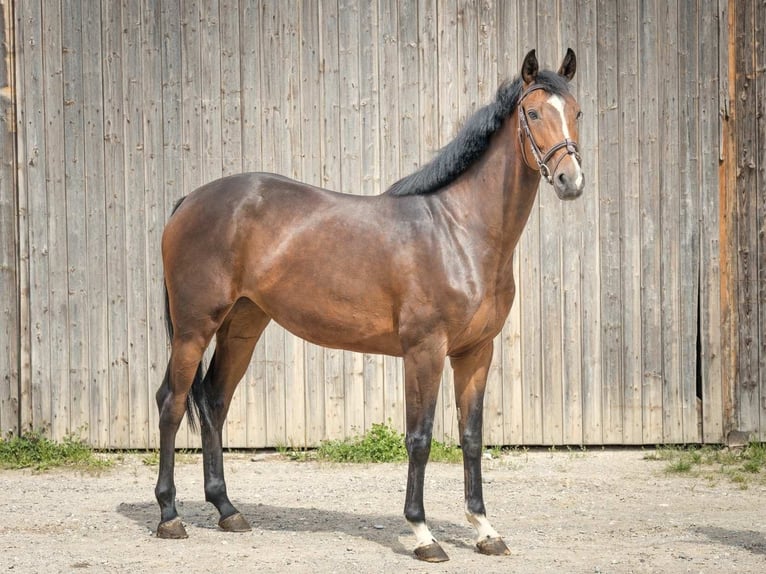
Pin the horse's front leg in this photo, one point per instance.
(470, 381)
(423, 366)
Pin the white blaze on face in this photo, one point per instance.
(558, 104)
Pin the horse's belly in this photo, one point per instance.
(335, 324)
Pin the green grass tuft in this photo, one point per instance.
(379, 444)
(33, 450)
(740, 466)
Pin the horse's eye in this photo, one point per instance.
(579, 115)
(533, 115)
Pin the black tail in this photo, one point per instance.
(196, 400)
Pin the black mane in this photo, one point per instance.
(473, 138)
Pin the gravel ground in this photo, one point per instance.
(597, 511)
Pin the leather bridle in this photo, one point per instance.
(540, 159)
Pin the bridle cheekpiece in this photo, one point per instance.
(540, 159)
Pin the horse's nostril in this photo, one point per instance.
(562, 179)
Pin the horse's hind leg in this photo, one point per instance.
(470, 381)
(235, 341)
(185, 357)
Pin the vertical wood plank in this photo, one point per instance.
(115, 170)
(609, 212)
(550, 260)
(134, 216)
(95, 208)
(156, 211)
(58, 345)
(76, 217)
(690, 216)
(669, 225)
(748, 395)
(572, 250)
(589, 67)
(651, 319)
(10, 326)
(760, 197)
(711, 324)
(529, 281)
(628, 24)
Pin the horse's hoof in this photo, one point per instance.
(493, 547)
(234, 523)
(431, 553)
(173, 529)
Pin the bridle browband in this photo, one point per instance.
(542, 160)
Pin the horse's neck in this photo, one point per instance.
(499, 191)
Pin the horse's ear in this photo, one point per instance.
(569, 65)
(529, 68)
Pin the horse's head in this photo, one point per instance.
(548, 127)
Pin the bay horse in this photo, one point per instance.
(423, 271)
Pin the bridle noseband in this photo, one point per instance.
(542, 160)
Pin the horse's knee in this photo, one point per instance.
(418, 447)
(471, 444)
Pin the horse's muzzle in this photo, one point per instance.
(569, 181)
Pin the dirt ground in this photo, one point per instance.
(591, 512)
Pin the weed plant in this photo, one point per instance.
(33, 450)
(740, 466)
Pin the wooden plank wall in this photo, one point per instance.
(9, 264)
(745, 210)
(125, 107)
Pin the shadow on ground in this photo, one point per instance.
(754, 542)
(378, 528)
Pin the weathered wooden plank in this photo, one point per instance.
(628, 24)
(571, 264)
(528, 282)
(76, 218)
(95, 211)
(156, 210)
(747, 242)
(9, 263)
(588, 68)
(727, 214)
(669, 239)
(609, 220)
(116, 262)
(58, 344)
(550, 221)
(651, 319)
(711, 325)
(311, 169)
(508, 66)
(134, 216)
(760, 90)
(689, 217)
